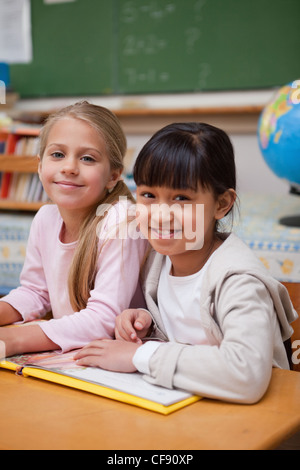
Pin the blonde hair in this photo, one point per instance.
(84, 264)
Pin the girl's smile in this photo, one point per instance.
(68, 185)
(164, 234)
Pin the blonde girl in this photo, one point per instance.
(73, 266)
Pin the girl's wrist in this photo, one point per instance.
(27, 338)
(8, 314)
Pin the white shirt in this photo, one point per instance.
(179, 306)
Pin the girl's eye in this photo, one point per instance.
(57, 155)
(147, 195)
(180, 197)
(87, 158)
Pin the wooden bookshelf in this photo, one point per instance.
(20, 206)
(12, 164)
(20, 188)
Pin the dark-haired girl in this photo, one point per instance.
(216, 321)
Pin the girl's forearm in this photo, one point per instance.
(29, 338)
(8, 314)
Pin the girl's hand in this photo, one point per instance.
(8, 342)
(133, 325)
(108, 354)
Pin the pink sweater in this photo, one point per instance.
(44, 282)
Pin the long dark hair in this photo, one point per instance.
(184, 155)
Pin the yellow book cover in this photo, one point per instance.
(128, 388)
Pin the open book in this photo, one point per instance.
(129, 388)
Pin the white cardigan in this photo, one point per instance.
(246, 335)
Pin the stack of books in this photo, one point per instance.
(22, 187)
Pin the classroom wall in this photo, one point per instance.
(252, 172)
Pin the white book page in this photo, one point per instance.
(133, 384)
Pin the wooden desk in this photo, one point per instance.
(40, 415)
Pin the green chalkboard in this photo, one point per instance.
(73, 46)
(94, 47)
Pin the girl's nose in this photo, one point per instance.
(161, 214)
(70, 166)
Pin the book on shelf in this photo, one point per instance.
(22, 187)
(35, 183)
(16, 146)
(27, 146)
(5, 184)
(10, 144)
(62, 369)
(15, 186)
(19, 141)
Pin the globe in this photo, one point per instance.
(279, 136)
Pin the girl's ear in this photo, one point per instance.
(114, 178)
(40, 166)
(225, 203)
